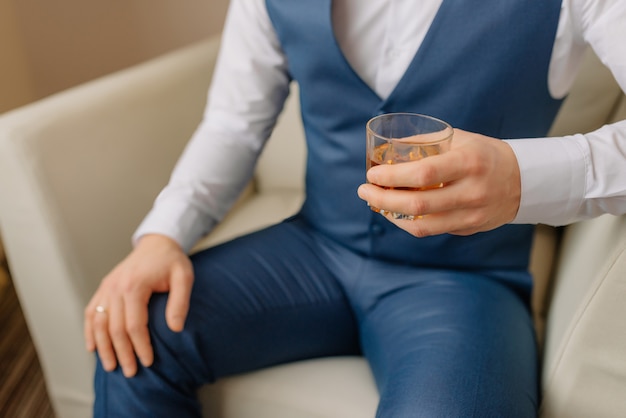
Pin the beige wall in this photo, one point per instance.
(46, 46)
(15, 79)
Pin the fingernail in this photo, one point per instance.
(372, 174)
(177, 324)
(362, 192)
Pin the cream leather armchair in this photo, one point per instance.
(79, 170)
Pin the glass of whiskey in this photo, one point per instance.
(394, 138)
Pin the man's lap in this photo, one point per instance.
(286, 293)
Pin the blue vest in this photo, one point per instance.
(482, 67)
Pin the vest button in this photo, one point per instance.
(377, 229)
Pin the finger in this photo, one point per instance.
(178, 300)
(137, 328)
(103, 342)
(443, 168)
(120, 340)
(423, 226)
(457, 222)
(412, 202)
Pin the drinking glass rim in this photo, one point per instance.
(446, 127)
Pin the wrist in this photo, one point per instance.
(153, 240)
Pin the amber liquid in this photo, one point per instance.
(401, 153)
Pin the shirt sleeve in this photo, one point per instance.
(571, 178)
(249, 86)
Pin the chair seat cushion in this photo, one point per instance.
(337, 387)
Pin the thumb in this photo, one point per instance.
(177, 306)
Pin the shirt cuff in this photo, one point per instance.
(178, 221)
(552, 179)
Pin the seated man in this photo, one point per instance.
(439, 305)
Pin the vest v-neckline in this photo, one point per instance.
(409, 70)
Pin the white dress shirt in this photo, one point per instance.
(563, 179)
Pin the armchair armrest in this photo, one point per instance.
(78, 171)
(584, 368)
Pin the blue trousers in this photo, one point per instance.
(441, 343)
